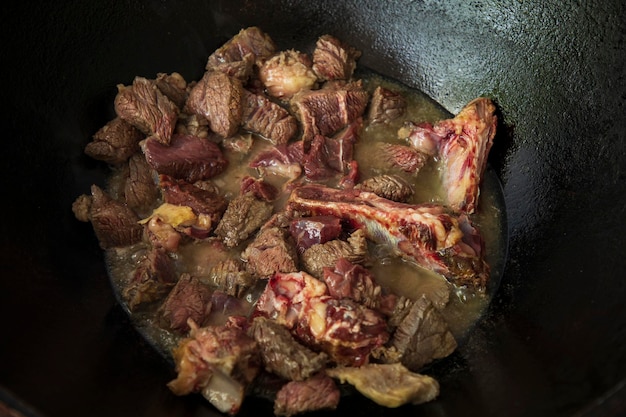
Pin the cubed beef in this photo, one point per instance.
(144, 106)
(115, 142)
(268, 119)
(187, 157)
(272, 250)
(219, 98)
(319, 256)
(329, 109)
(260, 188)
(407, 158)
(189, 299)
(309, 231)
(174, 87)
(251, 40)
(282, 354)
(140, 190)
(385, 106)
(114, 223)
(243, 217)
(231, 277)
(391, 187)
(316, 393)
(333, 60)
(152, 279)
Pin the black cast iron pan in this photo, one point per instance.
(553, 342)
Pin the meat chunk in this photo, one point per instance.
(422, 336)
(219, 98)
(187, 157)
(391, 187)
(329, 109)
(174, 87)
(287, 73)
(268, 119)
(406, 158)
(115, 142)
(430, 235)
(231, 277)
(249, 42)
(282, 354)
(140, 191)
(325, 255)
(385, 106)
(333, 60)
(316, 393)
(217, 361)
(281, 160)
(114, 223)
(152, 280)
(189, 299)
(144, 106)
(244, 216)
(388, 385)
(272, 250)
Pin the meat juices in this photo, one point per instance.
(290, 218)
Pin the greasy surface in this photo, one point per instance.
(553, 343)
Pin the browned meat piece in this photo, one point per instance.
(152, 280)
(309, 231)
(282, 354)
(406, 158)
(333, 60)
(271, 251)
(114, 223)
(207, 204)
(316, 393)
(430, 235)
(422, 336)
(268, 119)
(388, 385)
(281, 160)
(329, 109)
(242, 70)
(174, 87)
(244, 216)
(140, 191)
(287, 73)
(144, 106)
(385, 106)
(189, 299)
(347, 331)
(391, 187)
(260, 188)
(231, 277)
(217, 361)
(219, 98)
(115, 142)
(249, 41)
(188, 157)
(325, 255)
(348, 280)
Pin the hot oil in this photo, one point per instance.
(460, 307)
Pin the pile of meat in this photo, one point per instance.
(320, 319)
